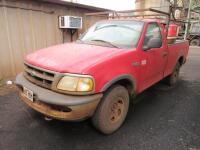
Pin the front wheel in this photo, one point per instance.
(112, 110)
(195, 42)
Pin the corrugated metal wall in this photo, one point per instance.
(26, 26)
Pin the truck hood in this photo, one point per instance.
(73, 57)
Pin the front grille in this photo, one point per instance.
(39, 76)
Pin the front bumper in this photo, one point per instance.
(51, 103)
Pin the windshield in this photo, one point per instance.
(120, 34)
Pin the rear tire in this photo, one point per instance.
(112, 110)
(173, 78)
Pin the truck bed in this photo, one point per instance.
(175, 51)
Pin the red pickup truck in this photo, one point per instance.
(97, 75)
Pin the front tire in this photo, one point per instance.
(195, 42)
(112, 110)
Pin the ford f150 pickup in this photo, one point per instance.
(96, 75)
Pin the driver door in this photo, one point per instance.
(154, 59)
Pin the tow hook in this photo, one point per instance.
(47, 118)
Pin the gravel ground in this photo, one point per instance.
(165, 119)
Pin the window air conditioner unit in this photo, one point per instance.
(70, 22)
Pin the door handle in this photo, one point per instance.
(135, 64)
(164, 54)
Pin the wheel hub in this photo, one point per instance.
(116, 110)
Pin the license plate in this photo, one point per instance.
(28, 93)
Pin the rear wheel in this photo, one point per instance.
(173, 78)
(112, 110)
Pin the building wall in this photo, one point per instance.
(26, 26)
(157, 4)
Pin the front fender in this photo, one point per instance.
(118, 78)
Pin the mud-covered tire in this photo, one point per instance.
(173, 78)
(112, 110)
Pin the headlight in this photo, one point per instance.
(76, 84)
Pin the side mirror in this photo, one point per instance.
(153, 43)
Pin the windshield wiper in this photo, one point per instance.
(99, 40)
(115, 25)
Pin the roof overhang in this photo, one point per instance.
(62, 2)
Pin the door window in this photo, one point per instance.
(153, 31)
